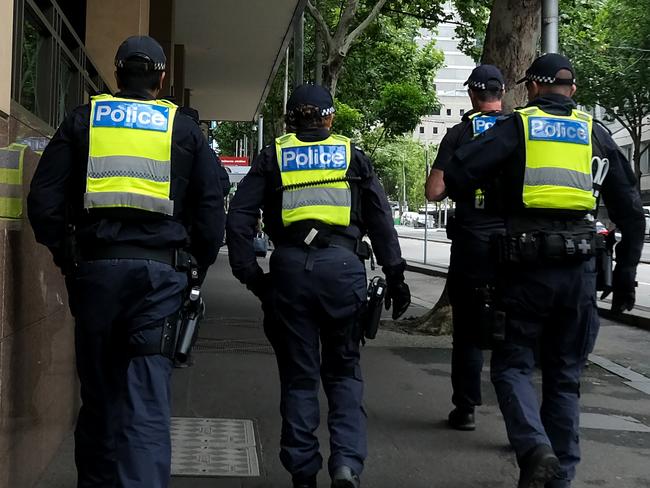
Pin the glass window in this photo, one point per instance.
(448, 111)
(436, 111)
(435, 130)
(35, 76)
(421, 129)
(462, 112)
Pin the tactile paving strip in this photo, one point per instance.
(213, 447)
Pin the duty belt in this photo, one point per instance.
(547, 247)
(322, 239)
(176, 258)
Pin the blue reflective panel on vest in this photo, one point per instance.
(558, 130)
(131, 115)
(482, 123)
(314, 157)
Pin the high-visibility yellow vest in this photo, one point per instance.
(313, 179)
(558, 172)
(481, 123)
(11, 181)
(129, 157)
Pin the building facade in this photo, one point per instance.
(452, 95)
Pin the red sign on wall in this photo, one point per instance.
(234, 160)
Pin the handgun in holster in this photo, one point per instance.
(492, 322)
(189, 318)
(605, 261)
(372, 315)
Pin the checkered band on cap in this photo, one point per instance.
(477, 85)
(545, 79)
(327, 111)
(156, 66)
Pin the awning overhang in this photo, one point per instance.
(233, 50)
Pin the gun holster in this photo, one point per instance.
(492, 321)
(604, 263)
(372, 313)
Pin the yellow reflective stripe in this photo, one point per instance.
(312, 197)
(126, 184)
(11, 207)
(128, 200)
(554, 197)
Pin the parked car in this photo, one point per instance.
(646, 212)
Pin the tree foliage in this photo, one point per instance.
(609, 44)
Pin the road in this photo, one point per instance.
(412, 243)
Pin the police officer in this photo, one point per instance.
(471, 267)
(320, 196)
(133, 182)
(542, 156)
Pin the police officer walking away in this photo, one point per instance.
(132, 182)
(545, 157)
(320, 196)
(471, 268)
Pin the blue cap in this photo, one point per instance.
(486, 77)
(144, 50)
(314, 95)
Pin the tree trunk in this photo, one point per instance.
(332, 72)
(636, 157)
(511, 44)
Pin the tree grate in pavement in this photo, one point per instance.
(215, 346)
(206, 447)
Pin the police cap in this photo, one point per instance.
(314, 95)
(486, 77)
(143, 51)
(544, 69)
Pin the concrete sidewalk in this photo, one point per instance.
(407, 400)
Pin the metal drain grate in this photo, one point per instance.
(261, 346)
(213, 447)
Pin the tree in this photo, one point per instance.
(511, 43)
(609, 44)
(400, 162)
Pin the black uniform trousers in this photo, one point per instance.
(471, 267)
(553, 308)
(317, 297)
(122, 438)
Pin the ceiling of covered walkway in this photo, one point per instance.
(233, 49)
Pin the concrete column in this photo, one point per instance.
(6, 32)
(161, 28)
(108, 23)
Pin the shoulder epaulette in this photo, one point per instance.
(340, 137)
(582, 115)
(602, 124)
(284, 138)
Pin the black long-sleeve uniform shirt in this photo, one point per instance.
(259, 190)
(500, 154)
(468, 219)
(58, 186)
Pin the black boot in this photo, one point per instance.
(538, 467)
(461, 419)
(309, 482)
(344, 477)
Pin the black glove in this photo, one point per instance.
(623, 289)
(262, 288)
(398, 294)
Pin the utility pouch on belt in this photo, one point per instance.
(492, 322)
(545, 247)
(372, 315)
